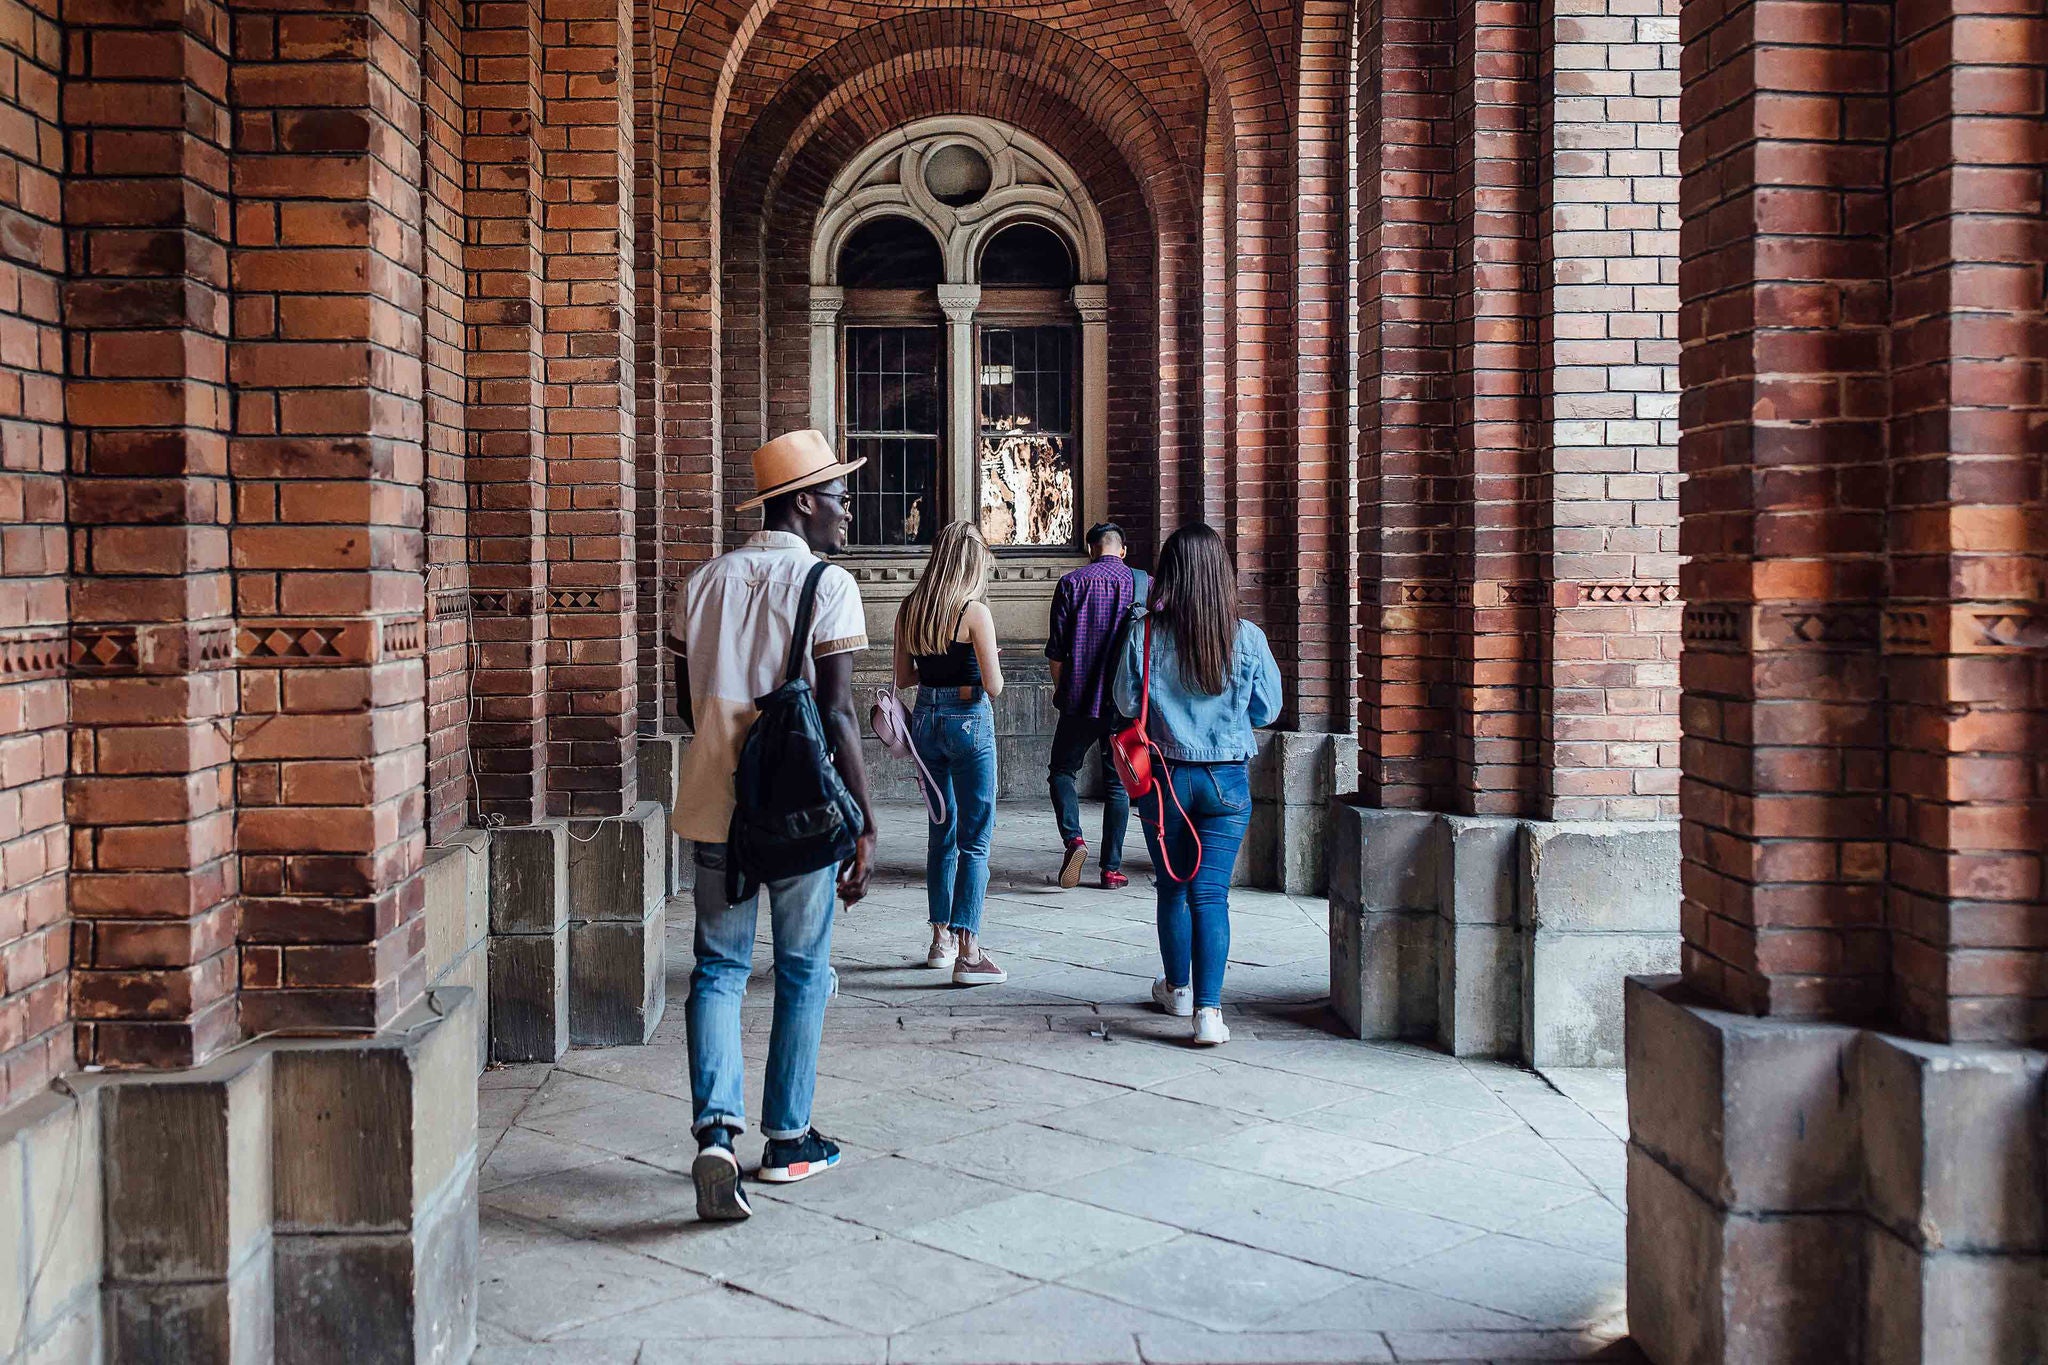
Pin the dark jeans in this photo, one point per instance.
(1194, 916)
(1071, 740)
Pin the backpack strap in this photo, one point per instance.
(800, 637)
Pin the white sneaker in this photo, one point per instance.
(1178, 1001)
(943, 951)
(1209, 1026)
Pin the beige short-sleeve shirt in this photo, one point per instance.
(734, 617)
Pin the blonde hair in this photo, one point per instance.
(956, 574)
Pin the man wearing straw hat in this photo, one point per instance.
(731, 632)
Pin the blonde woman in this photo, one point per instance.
(946, 646)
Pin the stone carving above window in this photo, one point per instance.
(965, 179)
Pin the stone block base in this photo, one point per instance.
(529, 948)
(1493, 936)
(1293, 780)
(1815, 1192)
(457, 883)
(306, 1200)
(618, 879)
(660, 759)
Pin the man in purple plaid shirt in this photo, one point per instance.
(1088, 610)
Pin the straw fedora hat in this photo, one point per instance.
(794, 460)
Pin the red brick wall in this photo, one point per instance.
(1864, 710)
(35, 836)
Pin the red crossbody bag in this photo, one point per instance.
(1133, 754)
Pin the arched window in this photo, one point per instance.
(959, 337)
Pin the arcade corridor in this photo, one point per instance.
(1044, 1172)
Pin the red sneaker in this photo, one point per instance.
(1112, 880)
(1077, 858)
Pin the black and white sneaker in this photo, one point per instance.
(784, 1161)
(716, 1173)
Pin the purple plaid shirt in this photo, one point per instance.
(1087, 608)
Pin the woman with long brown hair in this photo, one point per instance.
(1211, 678)
(946, 646)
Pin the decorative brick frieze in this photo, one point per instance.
(35, 654)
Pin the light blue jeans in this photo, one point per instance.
(957, 740)
(800, 914)
(1194, 916)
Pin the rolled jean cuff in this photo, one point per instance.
(738, 1125)
(773, 1136)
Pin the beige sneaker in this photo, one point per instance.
(982, 971)
(943, 950)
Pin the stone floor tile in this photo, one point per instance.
(540, 1292)
(884, 1286)
(963, 1342)
(901, 1119)
(1256, 1091)
(1025, 1155)
(892, 1067)
(778, 1234)
(1214, 1284)
(1344, 1234)
(887, 1193)
(1129, 1056)
(1040, 1236)
(565, 1092)
(1506, 1348)
(1411, 1124)
(1027, 1092)
(499, 1108)
(1595, 1226)
(1483, 1198)
(513, 1075)
(1519, 1152)
(1191, 1346)
(1552, 1287)
(719, 1311)
(522, 1153)
(637, 1123)
(842, 1350)
(1554, 1116)
(597, 1200)
(574, 1353)
(1377, 1306)
(1170, 1189)
(1603, 1161)
(1053, 1307)
(659, 1070)
(1152, 1123)
(1301, 1156)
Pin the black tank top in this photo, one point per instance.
(959, 666)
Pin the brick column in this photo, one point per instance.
(327, 545)
(507, 471)
(587, 239)
(151, 797)
(1404, 338)
(1609, 377)
(1782, 437)
(1494, 300)
(1966, 623)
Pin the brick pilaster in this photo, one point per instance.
(1404, 407)
(1609, 377)
(1494, 300)
(327, 545)
(1966, 616)
(505, 465)
(587, 240)
(151, 796)
(1782, 437)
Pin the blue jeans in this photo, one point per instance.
(957, 741)
(1072, 738)
(800, 910)
(1194, 916)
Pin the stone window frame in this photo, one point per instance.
(1029, 182)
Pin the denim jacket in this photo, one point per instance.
(1188, 724)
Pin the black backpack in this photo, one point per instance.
(793, 813)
